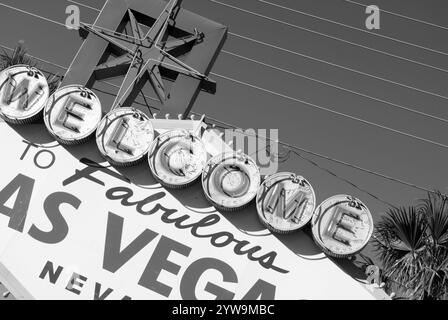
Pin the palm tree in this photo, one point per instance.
(412, 243)
(20, 56)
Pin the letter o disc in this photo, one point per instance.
(23, 94)
(342, 226)
(285, 202)
(124, 136)
(230, 181)
(177, 158)
(72, 114)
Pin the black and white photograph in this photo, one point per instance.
(246, 151)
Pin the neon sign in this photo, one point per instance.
(72, 114)
(285, 202)
(177, 158)
(342, 225)
(23, 93)
(180, 47)
(230, 180)
(124, 136)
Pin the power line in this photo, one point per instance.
(312, 79)
(321, 61)
(32, 14)
(38, 59)
(84, 5)
(326, 157)
(421, 113)
(294, 147)
(338, 66)
(136, 102)
(285, 157)
(366, 122)
(289, 146)
(80, 47)
(101, 81)
(353, 2)
(315, 106)
(332, 37)
(401, 16)
(343, 179)
(354, 28)
(57, 22)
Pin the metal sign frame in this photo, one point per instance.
(114, 16)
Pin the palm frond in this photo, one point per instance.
(435, 210)
(400, 241)
(413, 245)
(19, 56)
(402, 229)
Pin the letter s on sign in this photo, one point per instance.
(60, 227)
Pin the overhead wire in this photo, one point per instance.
(421, 113)
(325, 109)
(288, 51)
(319, 155)
(332, 37)
(310, 152)
(354, 28)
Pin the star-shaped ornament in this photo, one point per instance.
(143, 56)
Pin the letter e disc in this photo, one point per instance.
(124, 136)
(72, 114)
(285, 202)
(342, 226)
(23, 94)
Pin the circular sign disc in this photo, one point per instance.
(285, 202)
(230, 180)
(23, 94)
(342, 226)
(124, 136)
(72, 114)
(177, 158)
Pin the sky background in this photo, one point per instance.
(376, 149)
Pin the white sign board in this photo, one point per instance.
(73, 229)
